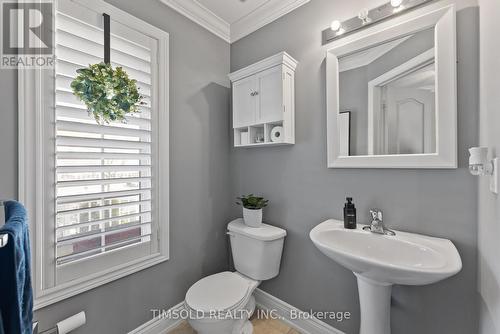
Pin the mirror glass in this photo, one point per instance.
(387, 98)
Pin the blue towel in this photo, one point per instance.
(16, 295)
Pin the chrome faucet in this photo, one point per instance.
(377, 224)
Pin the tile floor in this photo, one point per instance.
(260, 326)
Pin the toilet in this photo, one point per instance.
(223, 303)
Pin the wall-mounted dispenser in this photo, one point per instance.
(481, 165)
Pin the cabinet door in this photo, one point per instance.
(244, 102)
(270, 95)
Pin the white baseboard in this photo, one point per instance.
(160, 325)
(264, 301)
(311, 325)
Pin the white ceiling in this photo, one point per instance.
(233, 19)
(232, 10)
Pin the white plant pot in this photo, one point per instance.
(252, 218)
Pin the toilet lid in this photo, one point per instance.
(219, 292)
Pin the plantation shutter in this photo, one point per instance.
(105, 174)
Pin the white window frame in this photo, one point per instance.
(32, 125)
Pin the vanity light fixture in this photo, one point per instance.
(480, 165)
(367, 17)
(364, 16)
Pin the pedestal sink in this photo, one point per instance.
(379, 261)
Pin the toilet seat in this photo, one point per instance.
(222, 292)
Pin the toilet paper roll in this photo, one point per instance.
(277, 134)
(71, 323)
(244, 138)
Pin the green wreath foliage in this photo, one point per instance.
(108, 93)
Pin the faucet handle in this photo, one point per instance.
(376, 214)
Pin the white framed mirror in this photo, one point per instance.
(391, 93)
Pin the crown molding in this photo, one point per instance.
(281, 58)
(262, 16)
(265, 14)
(201, 15)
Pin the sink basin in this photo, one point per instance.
(379, 261)
(406, 258)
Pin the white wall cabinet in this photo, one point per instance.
(264, 102)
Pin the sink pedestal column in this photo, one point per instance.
(375, 305)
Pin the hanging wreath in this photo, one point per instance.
(109, 93)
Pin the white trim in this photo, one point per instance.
(263, 300)
(382, 80)
(440, 15)
(201, 15)
(311, 325)
(31, 99)
(281, 58)
(233, 31)
(161, 325)
(54, 295)
(267, 13)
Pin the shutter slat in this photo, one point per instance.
(98, 196)
(100, 129)
(82, 183)
(79, 112)
(102, 143)
(95, 155)
(74, 239)
(102, 169)
(101, 207)
(143, 215)
(61, 260)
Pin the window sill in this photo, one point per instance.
(73, 288)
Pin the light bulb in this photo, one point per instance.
(396, 3)
(336, 25)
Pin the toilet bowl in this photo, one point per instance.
(223, 303)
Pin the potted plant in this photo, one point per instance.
(252, 209)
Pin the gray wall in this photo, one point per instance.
(199, 111)
(303, 192)
(353, 90)
(489, 204)
(8, 134)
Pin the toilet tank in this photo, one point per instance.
(256, 251)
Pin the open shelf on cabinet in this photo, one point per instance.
(259, 135)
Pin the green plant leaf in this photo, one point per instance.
(252, 202)
(109, 94)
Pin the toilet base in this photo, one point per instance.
(226, 326)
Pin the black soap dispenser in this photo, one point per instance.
(349, 214)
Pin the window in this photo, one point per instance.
(100, 204)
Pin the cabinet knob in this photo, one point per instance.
(254, 93)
